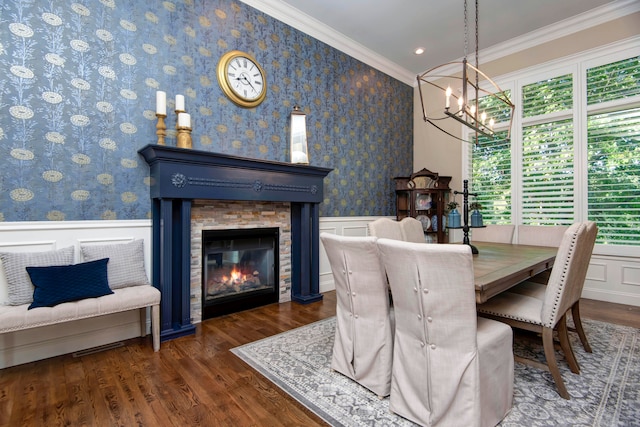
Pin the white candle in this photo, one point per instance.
(491, 123)
(161, 103)
(448, 93)
(180, 103)
(460, 102)
(184, 120)
(484, 117)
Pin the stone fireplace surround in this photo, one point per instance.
(180, 176)
(223, 215)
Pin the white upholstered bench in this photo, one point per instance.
(125, 274)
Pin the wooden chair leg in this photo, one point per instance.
(549, 353)
(155, 326)
(575, 314)
(565, 344)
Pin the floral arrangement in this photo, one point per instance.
(475, 206)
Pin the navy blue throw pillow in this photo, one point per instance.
(63, 283)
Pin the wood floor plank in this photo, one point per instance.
(193, 380)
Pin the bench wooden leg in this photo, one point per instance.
(155, 326)
(143, 321)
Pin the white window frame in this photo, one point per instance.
(577, 65)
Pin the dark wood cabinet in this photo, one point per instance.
(424, 195)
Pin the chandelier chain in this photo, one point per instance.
(466, 31)
(477, 46)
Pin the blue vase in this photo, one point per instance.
(453, 219)
(476, 219)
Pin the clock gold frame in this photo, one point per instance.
(225, 84)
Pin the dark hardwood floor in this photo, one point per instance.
(192, 381)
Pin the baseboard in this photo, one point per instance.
(44, 342)
(611, 296)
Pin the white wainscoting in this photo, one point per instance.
(48, 341)
(612, 278)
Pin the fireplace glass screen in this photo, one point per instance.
(240, 269)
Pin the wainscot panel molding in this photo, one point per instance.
(40, 343)
(610, 278)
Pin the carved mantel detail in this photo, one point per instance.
(179, 176)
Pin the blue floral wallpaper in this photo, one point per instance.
(77, 101)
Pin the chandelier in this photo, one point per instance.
(467, 109)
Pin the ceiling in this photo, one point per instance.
(388, 31)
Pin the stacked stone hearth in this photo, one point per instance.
(224, 214)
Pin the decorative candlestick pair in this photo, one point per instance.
(183, 124)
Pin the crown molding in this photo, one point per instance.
(284, 12)
(301, 21)
(600, 15)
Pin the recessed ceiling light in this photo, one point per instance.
(419, 51)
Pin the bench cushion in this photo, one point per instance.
(15, 318)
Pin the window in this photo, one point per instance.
(574, 153)
(613, 145)
(492, 178)
(492, 165)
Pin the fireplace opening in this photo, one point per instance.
(239, 269)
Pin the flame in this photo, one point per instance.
(235, 274)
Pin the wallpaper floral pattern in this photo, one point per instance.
(77, 95)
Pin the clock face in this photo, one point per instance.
(242, 79)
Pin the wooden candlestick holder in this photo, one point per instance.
(161, 128)
(184, 137)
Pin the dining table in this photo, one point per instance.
(500, 266)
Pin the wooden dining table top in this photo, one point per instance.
(499, 266)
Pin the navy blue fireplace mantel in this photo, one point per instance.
(178, 176)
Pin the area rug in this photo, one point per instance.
(606, 393)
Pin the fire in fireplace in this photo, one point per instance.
(240, 269)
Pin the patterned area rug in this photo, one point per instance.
(606, 393)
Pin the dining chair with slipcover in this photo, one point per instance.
(385, 228)
(450, 368)
(363, 343)
(545, 312)
(502, 233)
(541, 235)
(408, 229)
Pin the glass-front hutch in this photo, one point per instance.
(424, 196)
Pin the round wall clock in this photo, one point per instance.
(242, 79)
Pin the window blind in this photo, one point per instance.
(613, 145)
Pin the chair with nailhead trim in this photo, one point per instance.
(547, 313)
(543, 235)
(363, 343)
(450, 368)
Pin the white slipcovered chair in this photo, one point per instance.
(547, 312)
(450, 368)
(363, 344)
(493, 233)
(408, 229)
(541, 235)
(412, 230)
(385, 228)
